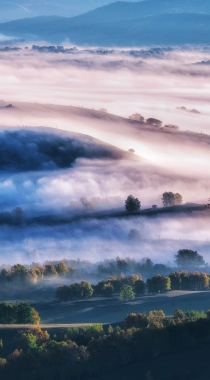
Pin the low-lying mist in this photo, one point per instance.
(49, 172)
(153, 82)
(93, 239)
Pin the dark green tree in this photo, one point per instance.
(171, 199)
(158, 284)
(134, 234)
(19, 272)
(21, 313)
(132, 204)
(86, 289)
(188, 258)
(155, 122)
(107, 290)
(127, 293)
(50, 271)
(135, 320)
(139, 287)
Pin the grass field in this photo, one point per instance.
(112, 310)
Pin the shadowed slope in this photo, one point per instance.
(41, 149)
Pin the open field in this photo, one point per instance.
(43, 326)
(104, 310)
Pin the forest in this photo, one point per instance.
(85, 352)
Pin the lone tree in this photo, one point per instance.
(171, 199)
(156, 122)
(132, 204)
(134, 234)
(137, 117)
(187, 257)
(127, 293)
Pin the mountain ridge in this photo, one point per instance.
(182, 28)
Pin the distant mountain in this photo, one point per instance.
(164, 29)
(33, 8)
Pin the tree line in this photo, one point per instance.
(13, 218)
(129, 286)
(169, 199)
(22, 275)
(81, 353)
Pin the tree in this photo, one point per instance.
(138, 321)
(134, 234)
(25, 314)
(171, 126)
(193, 315)
(198, 281)
(21, 313)
(64, 293)
(19, 272)
(176, 280)
(139, 287)
(2, 362)
(107, 290)
(155, 122)
(50, 271)
(179, 314)
(137, 117)
(61, 268)
(170, 199)
(127, 293)
(88, 205)
(132, 204)
(39, 270)
(178, 199)
(31, 338)
(146, 264)
(31, 277)
(156, 316)
(158, 284)
(131, 280)
(187, 258)
(86, 289)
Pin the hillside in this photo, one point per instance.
(44, 149)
